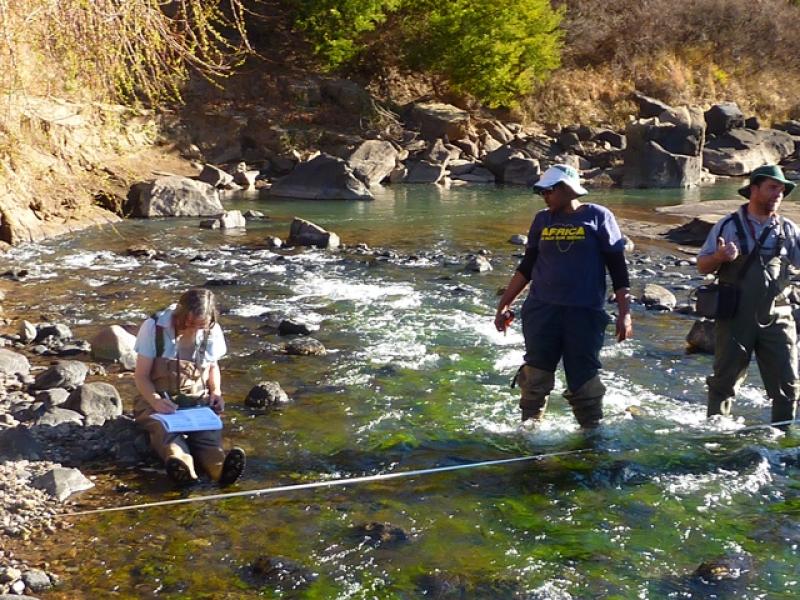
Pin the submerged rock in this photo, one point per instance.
(266, 393)
(288, 327)
(305, 347)
(381, 534)
(478, 264)
(282, 573)
(726, 568)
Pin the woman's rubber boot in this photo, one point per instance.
(179, 472)
(587, 403)
(534, 386)
(233, 467)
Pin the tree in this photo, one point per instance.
(492, 49)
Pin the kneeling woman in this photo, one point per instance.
(176, 366)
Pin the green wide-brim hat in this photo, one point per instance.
(771, 171)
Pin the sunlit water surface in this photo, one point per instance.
(417, 377)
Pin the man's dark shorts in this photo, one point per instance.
(554, 332)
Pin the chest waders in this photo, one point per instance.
(181, 379)
(573, 336)
(763, 324)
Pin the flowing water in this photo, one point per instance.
(416, 377)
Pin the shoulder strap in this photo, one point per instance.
(201, 353)
(782, 236)
(159, 335)
(752, 255)
(740, 233)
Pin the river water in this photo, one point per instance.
(417, 377)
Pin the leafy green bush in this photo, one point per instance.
(492, 49)
(334, 27)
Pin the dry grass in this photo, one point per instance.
(689, 52)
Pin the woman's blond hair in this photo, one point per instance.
(197, 302)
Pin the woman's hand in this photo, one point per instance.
(162, 405)
(216, 402)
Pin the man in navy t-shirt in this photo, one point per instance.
(570, 246)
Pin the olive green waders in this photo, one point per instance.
(180, 377)
(535, 386)
(763, 324)
(587, 402)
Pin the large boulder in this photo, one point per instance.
(723, 117)
(306, 233)
(172, 196)
(114, 343)
(477, 175)
(55, 416)
(97, 401)
(346, 94)
(521, 171)
(665, 151)
(701, 337)
(422, 171)
(498, 131)
(438, 120)
(61, 482)
(497, 160)
(18, 443)
(790, 127)
(215, 176)
(657, 297)
(649, 107)
(740, 151)
(373, 161)
(12, 363)
(441, 153)
(617, 140)
(67, 374)
(321, 178)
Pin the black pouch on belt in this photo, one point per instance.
(717, 300)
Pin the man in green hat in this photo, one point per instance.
(751, 250)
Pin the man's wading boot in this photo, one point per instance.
(587, 403)
(534, 385)
(718, 404)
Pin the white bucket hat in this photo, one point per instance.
(561, 174)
